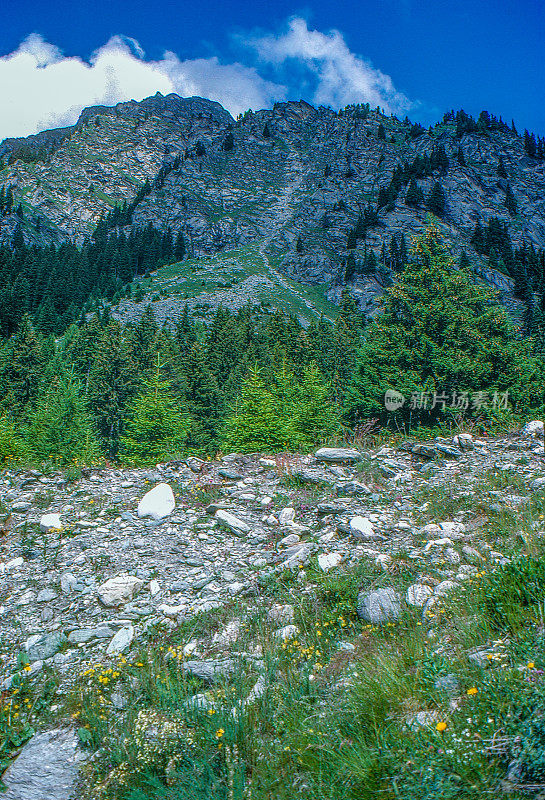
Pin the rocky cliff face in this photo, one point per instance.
(274, 177)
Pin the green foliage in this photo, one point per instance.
(61, 428)
(437, 201)
(512, 592)
(13, 448)
(440, 332)
(156, 428)
(281, 414)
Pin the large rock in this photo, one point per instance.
(234, 524)
(379, 606)
(418, 594)
(362, 528)
(327, 561)
(534, 428)
(46, 768)
(119, 590)
(211, 670)
(50, 522)
(41, 646)
(121, 641)
(338, 454)
(158, 503)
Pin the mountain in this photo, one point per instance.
(318, 195)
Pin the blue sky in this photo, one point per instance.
(419, 57)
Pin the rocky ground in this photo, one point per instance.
(90, 565)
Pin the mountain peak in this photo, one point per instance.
(170, 105)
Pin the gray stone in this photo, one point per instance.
(39, 647)
(68, 582)
(46, 768)
(445, 587)
(121, 641)
(50, 522)
(534, 428)
(362, 528)
(379, 606)
(229, 474)
(424, 451)
(84, 635)
(230, 521)
(46, 595)
(211, 670)
(448, 452)
(418, 593)
(21, 506)
(352, 489)
(119, 590)
(338, 454)
(282, 614)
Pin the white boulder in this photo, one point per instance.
(158, 503)
(119, 590)
(50, 522)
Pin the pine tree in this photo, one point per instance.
(204, 402)
(510, 201)
(299, 245)
(437, 202)
(415, 195)
(316, 418)
(350, 268)
(156, 428)
(61, 428)
(112, 382)
(381, 133)
(502, 172)
(440, 332)
(22, 367)
(280, 414)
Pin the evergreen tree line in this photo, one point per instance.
(190, 376)
(53, 284)
(257, 381)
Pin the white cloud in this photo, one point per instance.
(235, 86)
(340, 76)
(43, 88)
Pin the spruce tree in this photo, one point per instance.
(510, 201)
(61, 428)
(440, 332)
(156, 427)
(437, 202)
(281, 413)
(415, 195)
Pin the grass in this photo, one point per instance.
(333, 723)
(350, 710)
(193, 278)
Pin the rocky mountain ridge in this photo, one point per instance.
(294, 180)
